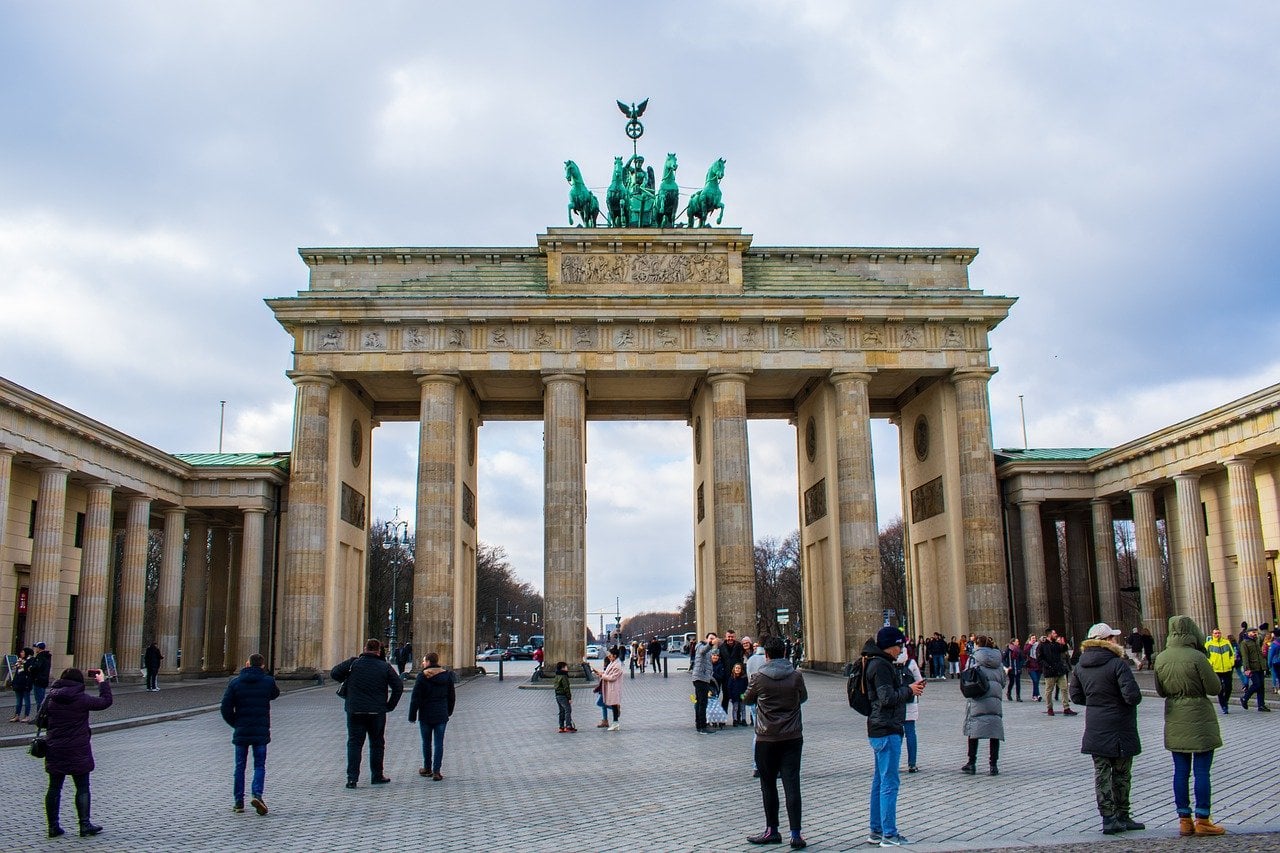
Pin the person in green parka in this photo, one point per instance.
(1186, 680)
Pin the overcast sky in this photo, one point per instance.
(160, 164)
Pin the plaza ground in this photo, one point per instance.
(512, 782)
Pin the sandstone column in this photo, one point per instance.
(169, 591)
(195, 596)
(1246, 521)
(986, 589)
(46, 561)
(95, 564)
(1150, 583)
(435, 573)
(215, 631)
(235, 540)
(6, 483)
(731, 473)
(1104, 556)
(1194, 551)
(565, 514)
(1033, 555)
(859, 533)
(1079, 582)
(133, 587)
(302, 618)
(249, 624)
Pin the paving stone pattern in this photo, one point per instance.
(512, 782)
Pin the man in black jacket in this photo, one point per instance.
(885, 726)
(1052, 654)
(1105, 685)
(366, 682)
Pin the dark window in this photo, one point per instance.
(31, 526)
(71, 624)
(79, 529)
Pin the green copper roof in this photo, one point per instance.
(210, 460)
(1048, 454)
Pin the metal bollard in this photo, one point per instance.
(499, 667)
(664, 667)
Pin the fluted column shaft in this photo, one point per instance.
(1105, 567)
(235, 550)
(1246, 521)
(986, 589)
(859, 532)
(1079, 582)
(249, 624)
(731, 475)
(95, 563)
(435, 580)
(1195, 552)
(215, 634)
(1151, 586)
(6, 484)
(169, 590)
(1033, 561)
(302, 620)
(565, 514)
(195, 593)
(46, 558)
(133, 586)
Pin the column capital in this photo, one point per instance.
(1243, 463)
(140, 498)
(554, 375)
(174, 510)
(312, 377)
(432, 376)
(864, 376)
(1029, 502)
(100, 486)
(1187, 477)
(249, 510)
(1146, 488)
(6, 450)
(715, 376)
(53, 468)
(977, 372)
(1099, 501)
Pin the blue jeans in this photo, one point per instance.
(1256, 688)
(910, 727)
(937, 666)
(259, 770)
(1183, 764)
(21, 698)
(884, 785)
(39, 691)
(432, 733)
(1035, 682)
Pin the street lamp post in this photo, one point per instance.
(390, 541)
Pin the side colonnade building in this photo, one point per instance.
(84, 508)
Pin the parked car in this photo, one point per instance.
(494, 654)
(522, 653)
(593, 653)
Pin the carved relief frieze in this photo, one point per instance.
(832, 336)
(666, 337)
(330, 339)
(790, 335)
(953, 336)
(584, 337)
(414, 339)
(873, 336)
(373, 339)
(542, 337)
(644, 269)
(498, 337)
(910, 337)
(624, 338)
(456, 337)
(709, 334)
(749, 337)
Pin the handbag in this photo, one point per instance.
(39, 745)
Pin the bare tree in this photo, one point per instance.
(777, 567)
(893, 568)
(505, 605)
(391, 569)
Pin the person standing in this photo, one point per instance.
(1105, 685)
(431, 706)
(370, 689)
(885, 727)
(984, 716)
(22, 686)
(953, 658)
(1222, 657)
(611, 689)
(1012, 659)
(655, 654)
(730, 654)
(1031, 661)
(777, 690)
(69, 751)
(1185, 680)
(41, 670)
(1254, 666)
(700, 671)
(564, 697)
(151, 663)
(246, 707)
(910, 674)
(1053, 672)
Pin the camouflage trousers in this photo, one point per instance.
(1111, 780)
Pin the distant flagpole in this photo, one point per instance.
(222, 419)
(1023, 409)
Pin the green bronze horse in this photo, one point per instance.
(668, 195)
(616, 198)
(707, 199)
(581, 200)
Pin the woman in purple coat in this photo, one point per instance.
(68, 707)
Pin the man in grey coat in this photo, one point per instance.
(1105, 685)
(703, 681)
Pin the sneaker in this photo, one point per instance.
(894, 840)
(602, 725)
(258, 805)
(238, 807)
(912, 769)
(1069, 713)
(1266, 708)
(351, 783)
(571, 730)
(615, 727)
(379, 780)
(422, 771)
(1244, 703)
(875, 838)
(1050, 711)
(563, 730)
(798, 842)
(769, 836)
(437, 777)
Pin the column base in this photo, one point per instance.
(833, 667)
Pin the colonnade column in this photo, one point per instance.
(6, 483)
(1033, 564)
(1104, 557)
(565, 514)
(1079, 584)
(1194, 551)
(46, 558)
(986, 589)
(235, 547)
(1246, 523)
(435, 571)
(95, 562)
(731, 475)
(1151, 586)
(249, 622)
(856, 493)
(169, 591)
(302, 619)
(215, 629)
(133, 586)
(195, 596)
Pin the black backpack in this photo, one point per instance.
(973, 683)
(856, 687)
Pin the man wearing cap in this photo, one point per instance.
(1105, 685)
(41, 669)
(885, 727)
(1254, 666)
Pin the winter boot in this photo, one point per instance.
(1110, 826)
(1129, 823)
(995, 769)
(1205, 826)
(87, 827)
(1186, 826)
(52, 804)
(969, 768)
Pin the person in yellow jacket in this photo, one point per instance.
(1222, 657)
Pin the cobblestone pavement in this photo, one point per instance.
(513, 783)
